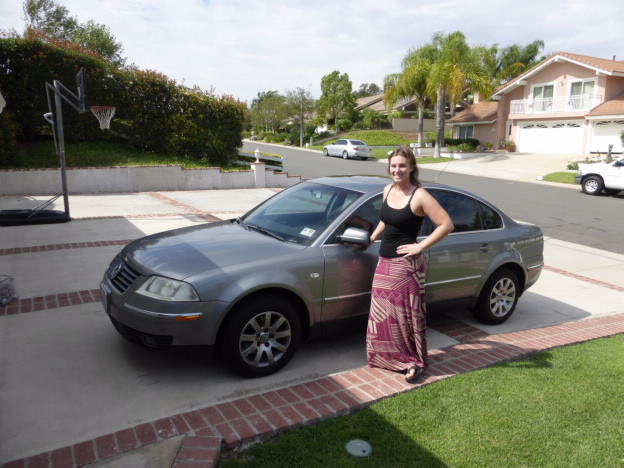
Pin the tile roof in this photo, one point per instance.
(609, 66)
(614, 106)
(484, 111)
(376, 103)
(367, 101)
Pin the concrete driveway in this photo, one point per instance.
(72, 391)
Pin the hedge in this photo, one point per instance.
(153, 112)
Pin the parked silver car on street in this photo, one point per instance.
(299, 266)
(348, 149)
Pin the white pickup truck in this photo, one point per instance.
(596, 177)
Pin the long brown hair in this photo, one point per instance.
(408, 154)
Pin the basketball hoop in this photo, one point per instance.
(104, 114)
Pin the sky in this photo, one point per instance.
(243, 47)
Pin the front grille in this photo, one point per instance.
(121, 275)
(145, 340)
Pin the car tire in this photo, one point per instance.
(345, 155)
(261, 336)
(498, 298)
(325, 152)
(592, 185)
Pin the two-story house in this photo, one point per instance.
(568, 103)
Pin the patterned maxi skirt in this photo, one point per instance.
(396, 337)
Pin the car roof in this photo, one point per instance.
(359, 183)
(375, 184)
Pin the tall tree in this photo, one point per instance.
(299, 105)
(410, 84)
(98, 38)
(268, 110)
(504, 64)
(368, 89)
(54, 22)
(52, 19)
(337, 98)
(456, 69)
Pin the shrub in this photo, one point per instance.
(462, 148)
(153, 112)
(8, 140)
(510, 146)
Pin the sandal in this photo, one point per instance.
(412, 374)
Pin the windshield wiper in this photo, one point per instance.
(240, 221)
(265, 231)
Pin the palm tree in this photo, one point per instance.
(411, 83)
(456, 70)
(504, 64)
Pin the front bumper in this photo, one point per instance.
(578, 179)
(183, 323)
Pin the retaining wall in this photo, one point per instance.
(138, 179)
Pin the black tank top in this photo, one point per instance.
(402, 227)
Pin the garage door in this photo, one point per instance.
(550, 137)
(605, 133)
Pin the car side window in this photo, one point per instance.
(491, 219)
(340, 142)
(464, 212)
(364, 217)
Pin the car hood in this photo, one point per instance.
(182, 253)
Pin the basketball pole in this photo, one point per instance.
(78, 102)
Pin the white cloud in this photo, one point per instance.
(242, 47)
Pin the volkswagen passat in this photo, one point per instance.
(299, 266)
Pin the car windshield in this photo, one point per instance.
(300, 213)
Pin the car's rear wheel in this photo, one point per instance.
(325, 152)
(499, 297)
(592, 185)
(261, 336)
(345, 155)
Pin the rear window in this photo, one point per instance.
(358, 142)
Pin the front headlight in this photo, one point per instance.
(166, 289)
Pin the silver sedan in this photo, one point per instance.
(348, 149)
(299, 266)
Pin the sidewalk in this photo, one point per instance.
(560, 309)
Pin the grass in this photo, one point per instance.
(559, 408)
(561, 177)
(42, 154)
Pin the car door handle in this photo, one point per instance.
(485, 248)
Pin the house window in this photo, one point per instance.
(543, 98)
(582, 94)
(465, 131)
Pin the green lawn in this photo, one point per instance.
(560, 408)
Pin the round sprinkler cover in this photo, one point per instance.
(359, 448)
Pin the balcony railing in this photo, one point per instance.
(558, 105)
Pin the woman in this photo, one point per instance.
(396, 336)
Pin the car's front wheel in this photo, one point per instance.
(498, 298)
(345, 155)
(592, 185)
(325, 152)
(261, 336)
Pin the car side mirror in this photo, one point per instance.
(355, 236)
